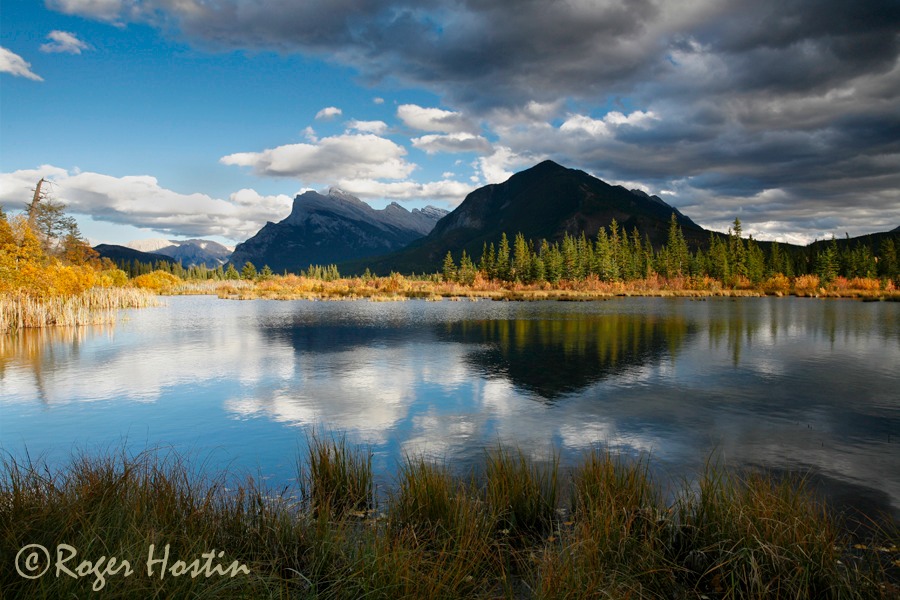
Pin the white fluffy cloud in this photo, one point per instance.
(452, 142)
(503, 163)
(434, 119)
(140, 201)
(607, 126)
(347, 156)
(376, 127)
(104, 10)
(64, 42)
(446, 190)
(12, 63)
(329, 112)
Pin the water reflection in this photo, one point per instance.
(41, 351)
(552, 358)
(787, 384)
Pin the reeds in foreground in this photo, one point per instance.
(435, 535)
(93, 307)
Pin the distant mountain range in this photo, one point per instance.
(333, 228)
(187, 252)
(118, 254)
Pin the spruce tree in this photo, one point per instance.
(503, 265)
(449, 269)
(248, 271)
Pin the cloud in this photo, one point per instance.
(14, 64)
(452, 142)
(501, 165)
(607, 126)
(347, 156)
(434, 119)
(140, 201)
(329, 112)
(102, 10)
(64, 42)
(446, 190)
(376, 127)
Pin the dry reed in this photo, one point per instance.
(93, 307)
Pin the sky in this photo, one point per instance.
(191, 118)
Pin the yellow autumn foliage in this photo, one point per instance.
(71, 286)
(26, 269)
(158, 281)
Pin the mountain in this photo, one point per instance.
(187, 252)
(543, 202)
(148, 245)
(872, 241)
(333, 227)
(123, 253)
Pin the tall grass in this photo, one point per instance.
(336, 477)
(519, 529)
(93, 307)
(523, 492)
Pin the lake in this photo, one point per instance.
(783, 384)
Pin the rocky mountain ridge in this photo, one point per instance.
(334, 227)
(188, 252)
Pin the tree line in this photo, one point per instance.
(616, 255)
(135, 268)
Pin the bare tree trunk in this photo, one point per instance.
(32, 208)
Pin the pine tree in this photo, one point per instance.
(248, 271)
(615, 251)
(537, 269)
(553, 263)
(603, 261)
(449, 269)
(737, 258)
(827, 262)
(521, 265)
(755, 261)
(719, 264)
(677, 255)
(570, 258)
(888, 265)
(466, 272)
(503, 265)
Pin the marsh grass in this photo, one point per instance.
(336, 478)
(518, 529)
(522, 492)
(397, 288)
(92, 307)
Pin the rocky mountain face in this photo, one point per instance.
(187, 252)
(544, 202)
(333, 227)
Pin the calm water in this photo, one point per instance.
(779, 383)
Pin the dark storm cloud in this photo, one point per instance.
(801, 96)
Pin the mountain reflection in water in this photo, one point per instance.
(553, 358)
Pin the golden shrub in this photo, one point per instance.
(806, 285)
(157, 281)
(777, 284)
